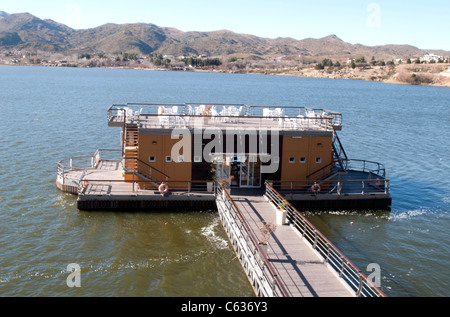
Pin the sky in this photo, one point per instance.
(424, 24)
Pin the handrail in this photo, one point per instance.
(320, 170)
(221, 194)
(328, 117)
(124, 131)
(338, 150)
(90, 161)
(173, 120)
(194, 186)
(82, 184)
(379, 170)
(97, 152)
(331, 255)
(336, 186)
(151, 168)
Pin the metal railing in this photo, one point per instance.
(183, 115)
(374, 171)
(323, 172)
(373, 168)
(265, 279)
(336, 186)
(140, 167)
(342, 266)
(306, 112)
(137, 186)
(80, 163)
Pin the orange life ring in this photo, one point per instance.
(163, 188)
(315, 188)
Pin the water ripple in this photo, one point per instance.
(187, 254)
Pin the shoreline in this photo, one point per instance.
(441, 79)
(402, 75)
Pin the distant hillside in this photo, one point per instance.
(25, 31)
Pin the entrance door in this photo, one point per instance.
(250, 175)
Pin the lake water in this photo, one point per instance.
(53, 113)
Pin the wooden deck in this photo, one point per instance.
(106, 189)
(106, 182)
(300, 269)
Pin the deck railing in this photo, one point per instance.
(80, 163)
(331, 256)
(140, 167)
(265, 279)
(184, 115)
(375, 171)
(373, 168)
(136, 186)
(336, 186)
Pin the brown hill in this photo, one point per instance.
(25, 31)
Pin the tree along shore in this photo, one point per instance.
(410, 72)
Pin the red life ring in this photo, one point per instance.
(163, 188)
(315, 188)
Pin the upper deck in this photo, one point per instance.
(161, 118)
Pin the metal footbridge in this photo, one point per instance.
(299, 261)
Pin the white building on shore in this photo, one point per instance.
(432, 57)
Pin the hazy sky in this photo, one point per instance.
(424, 24)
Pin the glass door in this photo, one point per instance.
(244, 174)
(250, 173)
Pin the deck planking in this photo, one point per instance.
(300, 269)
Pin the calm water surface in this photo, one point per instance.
(53, 113)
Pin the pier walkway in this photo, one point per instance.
(299, 261)
(301, 270)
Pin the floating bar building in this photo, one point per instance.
(254, 165)
(172, 155)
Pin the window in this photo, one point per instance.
(303, 159)
(180, 159)
(152, 158)
(318, 160)
(168, 159)
(292, 159)
(197, 159)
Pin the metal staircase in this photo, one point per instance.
(132, 165)
(339, 155)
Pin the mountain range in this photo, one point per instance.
(27, 32)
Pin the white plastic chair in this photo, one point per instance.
(179, 122)
(164, 120)
(214, 113)
(199, 110)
